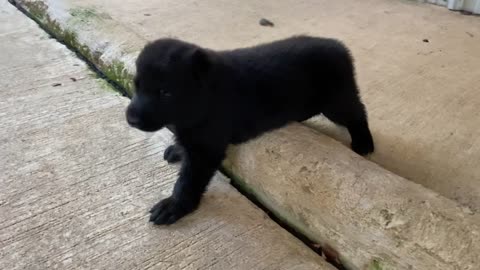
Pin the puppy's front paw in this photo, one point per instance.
(173, 153)
(169, 210)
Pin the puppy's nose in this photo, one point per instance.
(132, 118)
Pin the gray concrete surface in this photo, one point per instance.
(421, 96)
(77, 183)
(373, 218)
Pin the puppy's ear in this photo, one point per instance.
(201, 63)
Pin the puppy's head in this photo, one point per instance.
(171, 85)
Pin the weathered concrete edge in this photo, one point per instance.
(373, 218)
(119, 69)
(116, 69)
(329, 247)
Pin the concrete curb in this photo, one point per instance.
(371, 217)
(92, 35)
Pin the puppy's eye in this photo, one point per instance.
(165, 93)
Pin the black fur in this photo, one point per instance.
(217, 98)
(173, 153)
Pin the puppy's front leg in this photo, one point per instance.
(173, 153)
(198, 167)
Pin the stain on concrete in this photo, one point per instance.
(387, 216)
(88, 14)
(307, 189)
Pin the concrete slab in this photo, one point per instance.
(373, 218)
(417, 65)
(77, 182)
(405, 87)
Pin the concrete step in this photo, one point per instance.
(421, 96)
(425, 131)
(373, 218)
(77, 182)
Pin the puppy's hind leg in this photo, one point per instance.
(347, 110)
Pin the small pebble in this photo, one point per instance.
(265, 22)
(426, 40)
(56, 84)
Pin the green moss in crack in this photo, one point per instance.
(37, 9)
(105, 85)
(114, 71)
(117, 72)
(376, 265)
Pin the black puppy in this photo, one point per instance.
(213, 99)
